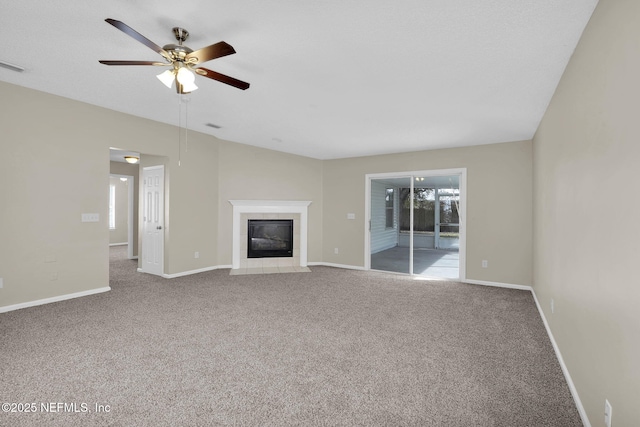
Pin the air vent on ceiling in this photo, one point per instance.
(211, 125)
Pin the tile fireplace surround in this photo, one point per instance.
(244, 210)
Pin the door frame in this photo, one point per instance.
(461, 172)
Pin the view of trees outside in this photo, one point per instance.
(424, 207)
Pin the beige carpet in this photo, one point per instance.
(332, 347)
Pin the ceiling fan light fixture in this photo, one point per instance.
(167, 78)
(182, 58)
(189, 87)
(187, 79)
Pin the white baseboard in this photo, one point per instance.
(331, 264)
(53, 299)
(220, 267)
(565, 370)
(498, 284)
(190, 272)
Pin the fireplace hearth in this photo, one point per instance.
(270, 238)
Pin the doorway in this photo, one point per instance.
(125, 176)
(416, 223)
(145, 241)
(121, 212)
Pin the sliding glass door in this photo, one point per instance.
(436, 226)
(415, 224)
(390, 250)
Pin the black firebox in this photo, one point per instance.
(270, 238)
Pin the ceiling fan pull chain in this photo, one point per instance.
(186, 125)
(179, 127)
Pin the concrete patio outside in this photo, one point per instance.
(442, 263)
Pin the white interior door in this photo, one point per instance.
(153, 220)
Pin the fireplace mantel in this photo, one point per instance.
(269, 206)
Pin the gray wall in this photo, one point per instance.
(499, 224)
(587, 233)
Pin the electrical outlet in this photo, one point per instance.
(553, 308)
(196, 255)
(351, 216)
(1, 282)
(607, 413)
(485, 263)
(336, 251)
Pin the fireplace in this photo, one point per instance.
(245, 210)
(270, 238)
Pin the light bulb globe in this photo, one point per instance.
(167, 78)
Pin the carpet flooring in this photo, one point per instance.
(332, 347)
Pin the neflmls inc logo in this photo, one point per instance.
(66, 407)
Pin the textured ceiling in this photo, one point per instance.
(329, 79)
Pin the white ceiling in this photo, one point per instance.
(329, 79)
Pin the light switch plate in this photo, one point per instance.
(90, 217)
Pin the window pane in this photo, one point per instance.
(389, 202)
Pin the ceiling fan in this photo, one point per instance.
(181, 59)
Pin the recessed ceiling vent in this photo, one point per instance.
(211, 125)
(11, 67)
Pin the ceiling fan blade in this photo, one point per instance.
(132, 62)
(222, 78)
(136, 35)
(208, 53)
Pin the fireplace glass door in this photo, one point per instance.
(270, 238)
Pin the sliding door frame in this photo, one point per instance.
(461, 172)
